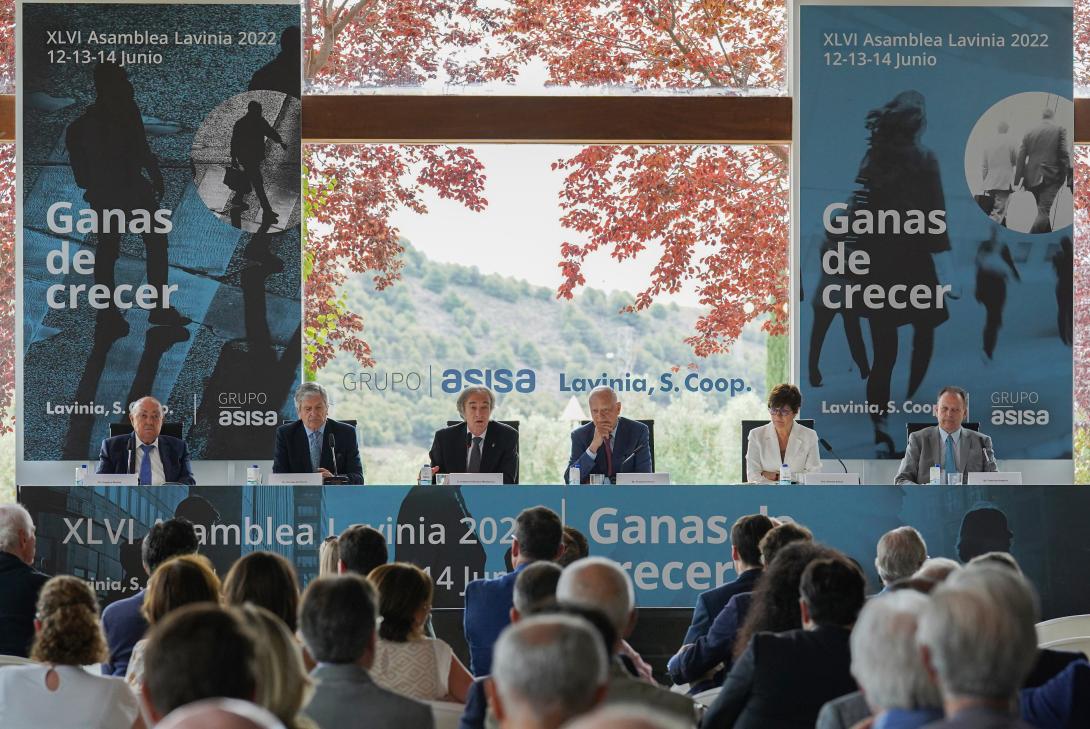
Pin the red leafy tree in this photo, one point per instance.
(7, 286)
(1082, 283)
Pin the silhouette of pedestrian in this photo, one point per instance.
(994, 264)
(1044, 165)
(248, 151)
(998, 168)
(1063, 262)
(283, 72)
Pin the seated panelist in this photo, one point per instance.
(156, 459)
(608, 444)
(478, 444)
(954, 448)
(782, 441)
(316, 443)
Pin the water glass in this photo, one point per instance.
(953, 479)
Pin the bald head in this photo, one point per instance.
(605, 407)
(146, 416)
(220, 714)
(599, 584)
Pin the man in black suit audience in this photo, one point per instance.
(20, 583)
(155, 458)
(478, 444)
(783, 679)
(360, 549)
(315, 443)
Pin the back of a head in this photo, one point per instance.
(885, 659)
(550, 667)
(166, 539)
(746, 535)
(14, 520)
(337, 618)
(283, 686)
(220, 714)
(329, 554)
(979, 630)
(178, 582)
(403, 590)
(362, 549)
(266, 579)
(901, 552)
(539, 532)
(834, 590)
(575, 546)
(198, 652)
(536, 586)
(779, 537)
(599, 584)
(627, 716)
(996, 559)
(937, 569)
(70, 634)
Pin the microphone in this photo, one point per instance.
(631, 455)
(130, 462)
(826, 446)
(332, 443)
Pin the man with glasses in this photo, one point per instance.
(782, 441)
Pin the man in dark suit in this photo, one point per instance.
(783, 679)
(608, 444)
(478, 444)
(314, 442)
(123, 621)
(337, 622)
(155, 458)
(538, 535)
(1044, 165)
(954, 448)
(19, 582)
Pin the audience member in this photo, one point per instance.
(123, 620)
(1001, 559)
(780, 536)
(329, 556)
(56, 692)
(1063, 702)
(901, 552)
(783, 679)
(337, 622)
(575, 546)
(626, 716)
(266, 579)
(978, 641)
(20, 583)
(549, 669)
(361, 549)
(937, 569)
(200, 651)
(220, 714)
(180, 581)
(538, 535)
(283, 686)
(601, 584)
(406, 660)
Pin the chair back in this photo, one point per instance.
(1079, 644)
(650, 437)
(174, 430)
(911, 428)
(15, 661)
(447, 715)
(748, 425)
(512, 423)
(707, 698)
(1069, 626)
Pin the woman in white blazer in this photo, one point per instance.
(782, 441)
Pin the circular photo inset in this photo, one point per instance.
(245, 160)
(1018, 162)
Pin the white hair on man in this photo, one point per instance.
(627, 716)
(14, 521)
(937, 569)
(599, 584)
(546, 670)
(886, 662)
(220, 714)
(307, 389)
(469, 392)
(978, 635)
(901, 551)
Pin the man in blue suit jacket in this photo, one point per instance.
(608, 444)
(304, 446)
(155, 458)
(538, 535)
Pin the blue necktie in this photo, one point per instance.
(315, 450)
(950, 466)
(145, 465)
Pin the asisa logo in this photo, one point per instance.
(500, 381)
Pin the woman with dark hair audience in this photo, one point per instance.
(55, 692)
(266, 579)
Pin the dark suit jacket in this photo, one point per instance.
(631, 440)
(499, 452)
(1064, 701)
(118, 455)
(710, 602)
(487, 612)
(124, 625)
(1049, 663)
(1043, 157)
(783, 679)
(980, 719)
(292, 453)
(346, 697)
(19, 588)
(708, 651)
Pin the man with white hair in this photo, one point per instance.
(155, 458)
(608, 444)
(220, 714)
(19, 582)
(548, 669)
(627, 716)
(478, 444)
(901, 552)
(597, 583)
(978, 641)
(315, 443)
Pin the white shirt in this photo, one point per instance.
(158, 475)
(82, 700)
(469, 448)
(763, 452)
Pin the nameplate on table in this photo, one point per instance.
(995, 478)
(112, 479)
(295, 479)
(475, 479)
(643, 479)
(830, 479)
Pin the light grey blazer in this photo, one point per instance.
(925, 449)
(345, 697)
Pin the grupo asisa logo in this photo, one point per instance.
(501, 380)
(246, 408)
(1018, 408)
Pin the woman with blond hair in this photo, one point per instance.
(57, 692)
(283, 686)
(329, 554)
(180, 581)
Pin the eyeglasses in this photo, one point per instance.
(783, 412)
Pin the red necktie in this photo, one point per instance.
(609, 458)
